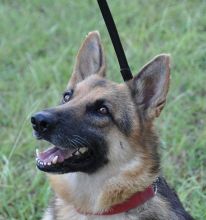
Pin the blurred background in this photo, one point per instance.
(38, 44)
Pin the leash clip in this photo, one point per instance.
(154, 185)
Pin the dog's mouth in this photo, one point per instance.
(63, 160)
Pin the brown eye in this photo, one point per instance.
(67, 96)
(103, 110)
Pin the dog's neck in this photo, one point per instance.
(94, 193)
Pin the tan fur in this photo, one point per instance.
(93, 38)
(134, 176)
(61, 187)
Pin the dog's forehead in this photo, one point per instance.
(98, 85)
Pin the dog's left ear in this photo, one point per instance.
(150, 86)
(90, 59)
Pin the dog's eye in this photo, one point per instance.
(103, 110)
(67, 95)
(99, 108)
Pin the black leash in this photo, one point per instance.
(111, 27)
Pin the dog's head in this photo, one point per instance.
(101, 122)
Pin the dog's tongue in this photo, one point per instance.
(53, 154)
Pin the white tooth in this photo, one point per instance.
(37, 152)
(44, 163)
(41, 163)
(77, 153)
(54, 161)
(49, 164)
(83, 150)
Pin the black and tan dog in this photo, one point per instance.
(104, 163)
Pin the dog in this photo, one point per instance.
(104, 161)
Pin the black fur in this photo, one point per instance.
(67, 126)
(124, 124)
(170, 196)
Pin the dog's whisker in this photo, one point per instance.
(83, 140)
(80, 142)
(73, 143)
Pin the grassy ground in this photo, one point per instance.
(38, 42)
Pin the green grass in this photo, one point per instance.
(38, 43)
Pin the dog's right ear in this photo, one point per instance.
(150, 86)
(90, 59)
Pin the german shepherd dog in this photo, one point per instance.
(104, 146)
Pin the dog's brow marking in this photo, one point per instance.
(99, 83)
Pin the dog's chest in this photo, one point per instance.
(68, 212)
(150, 210)
(75, 216)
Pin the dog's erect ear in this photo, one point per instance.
(150, 86)
(90, 59)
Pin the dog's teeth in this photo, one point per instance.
(77, 153)
(54, 161)
(41, 163)
(37, 152)
(45, 163)
(83, 150)
(49, 164)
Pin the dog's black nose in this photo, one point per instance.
(42, 121)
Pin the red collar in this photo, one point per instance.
(134, 201)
